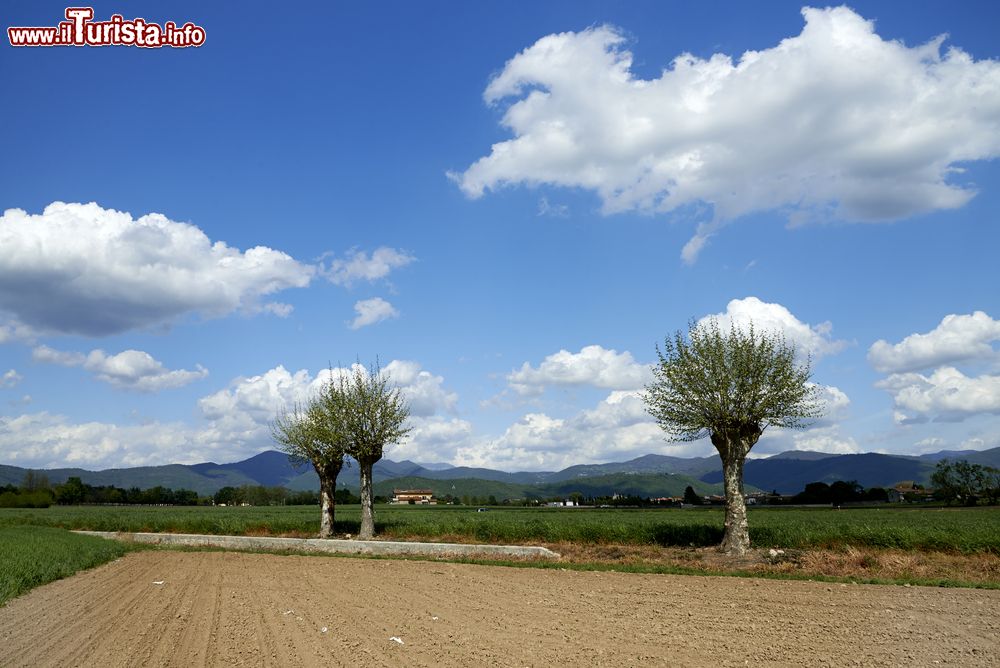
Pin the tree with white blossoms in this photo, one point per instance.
(730, 387)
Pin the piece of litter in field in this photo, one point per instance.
(323, 630)
(288, 612)
(434, 619)
(395, 639)
(158, 582)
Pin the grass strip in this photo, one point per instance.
(965, 531)
(31, 556)
(654, 569)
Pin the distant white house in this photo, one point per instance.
(420, 497)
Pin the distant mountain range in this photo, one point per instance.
(649, 475)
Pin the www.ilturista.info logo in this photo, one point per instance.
(79, 29)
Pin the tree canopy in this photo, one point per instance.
(965, 482)
(375, 411)
(711, 382)
(729, 387)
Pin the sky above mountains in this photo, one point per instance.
(509, 208)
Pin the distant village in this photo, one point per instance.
(839, 493)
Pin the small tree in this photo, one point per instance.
(729, 387)
(315, 433)
(375, 416)
(71, 492)
(35, 481)
(691, 497)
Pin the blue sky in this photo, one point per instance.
(509, 207)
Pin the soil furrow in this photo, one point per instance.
(236, 609)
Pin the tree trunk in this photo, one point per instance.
(736, 540)
(733, 445)
(367, 501)
(328, 505)
(327, 498)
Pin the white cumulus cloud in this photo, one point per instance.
(946, 395)
(84, 269)
(594, 365)
(836, 122)
(42, 440)
(814, 340)
(423, 391)
(822, 439)
(129, 369)
(361, 266)
(958, 338)
(242, 412)
(13, 331)
(434, 439)
(617, 429)
(11, 378)
(371, 311)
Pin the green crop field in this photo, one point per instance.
(974, 530)
(32, 555)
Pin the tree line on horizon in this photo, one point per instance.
(957, 481)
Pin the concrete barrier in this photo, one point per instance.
(329, 545)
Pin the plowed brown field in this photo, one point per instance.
(253, 609)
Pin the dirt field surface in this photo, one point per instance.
(213, 608)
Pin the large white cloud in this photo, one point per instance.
(234, 424)
(958, 338)
(814, 340)
(423, 391)
(244, 410)
(834, 122)
(833, 403)
(828, 439)
(618, 428)
(129, 369)
(593, 365)
(946, 395)
(433, 439)
(42, 440)
(83, 269)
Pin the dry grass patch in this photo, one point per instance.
(850, 563)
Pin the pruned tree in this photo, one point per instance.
(729, 387)
(316, 433)
(375, 416)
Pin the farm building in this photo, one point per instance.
(414, 496)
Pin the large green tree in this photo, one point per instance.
(375, 415)
(729, 386)
(965, 482)
(315, 432)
